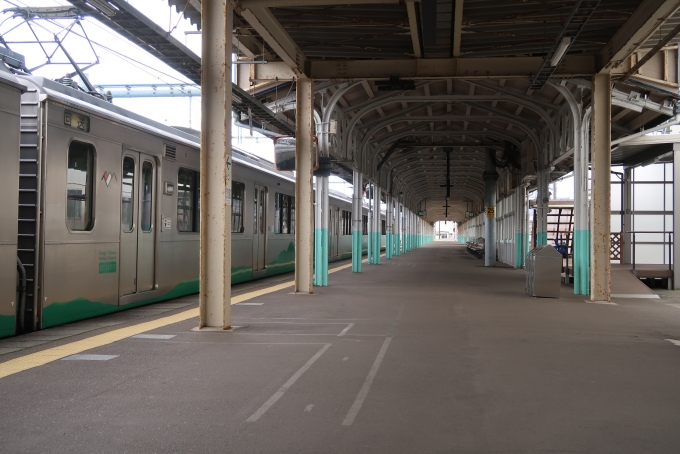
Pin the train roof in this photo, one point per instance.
(80, 99)
(7, 78)
(84, 100)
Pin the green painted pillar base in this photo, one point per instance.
(541, 238)
(319, 250)
(519, 256)
(324, 257)
(388, 246)
(581, 265)
(357, 255)
(376, 248)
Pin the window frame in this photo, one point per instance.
(93, 205)
(243, 207)
(196, 201)
(279, 198)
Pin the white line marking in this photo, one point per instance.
(309, 407)
(345, 358)
(344, 331)
(674, 305)
(359, 401)
(291, 381)
(601, 302)
(89, 357)
(250, 304)
(153, 336)
(673, 341)
(635, 296)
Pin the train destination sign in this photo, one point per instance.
(77, 121)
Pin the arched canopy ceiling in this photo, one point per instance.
(481, 74)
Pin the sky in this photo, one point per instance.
(120, 61)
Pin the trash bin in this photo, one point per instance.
(544, 270)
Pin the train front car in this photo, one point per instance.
(110, 210)
(11, 289)
(110, 236)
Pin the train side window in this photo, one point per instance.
(127, 196)
(364, 225)
(188, 200)
(79, 187)
(346, 223)
(284, 216)
(147, 196)
(237, 198)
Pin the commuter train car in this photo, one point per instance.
(116, 222)
(10, 112)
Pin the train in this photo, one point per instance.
(108, 209)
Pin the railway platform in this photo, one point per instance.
(427, 352)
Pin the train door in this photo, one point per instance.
(333, 231)
(259, 228)
(137, 223)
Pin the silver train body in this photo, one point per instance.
(108, 209)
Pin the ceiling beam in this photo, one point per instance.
(457, 27)
(443, 68)
(271, 30)
(289, 3)
(415, 31)
(644, 21)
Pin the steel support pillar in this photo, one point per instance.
(325, 221)
(304, 208)
(520, 209)
(371, 210)
(321, 214)
(215, 191)
(397, 231)
(357, 228)
(628, 208)
(676, 213)
(377, 225)
(601, 190)
(490, 177)
(542, 203)
(581, 260)
(389, 226)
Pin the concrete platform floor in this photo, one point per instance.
(429, 352)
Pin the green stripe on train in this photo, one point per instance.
(7, 324)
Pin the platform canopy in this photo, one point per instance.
(398, 82)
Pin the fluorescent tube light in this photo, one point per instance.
(561, 50)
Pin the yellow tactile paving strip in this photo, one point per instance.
(55, 353)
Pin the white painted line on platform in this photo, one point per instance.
(250, 304)
(345, 358)
(635, 296)
(89, 357)
(359, 401)
(344, 331)
(673, 341)
(309, 407)
(291, 381)
(674, 305)
(154, 336)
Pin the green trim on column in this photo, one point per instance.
(376, 248)
(581, 262)
(397, 245)
(324, 257)
(541, 238)
(518, 250)
(356, 250)
(388, 245)
(318, 254)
